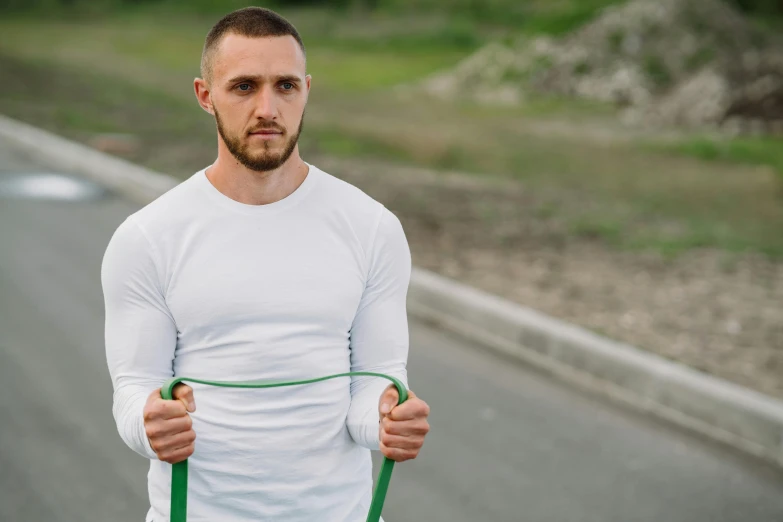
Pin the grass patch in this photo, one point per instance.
(700, 58)
(80, 104)
(558, 18)
(582, 68)
(767, 151)
(615, 40)
(153, 47)
(347, 144)
(531, 16)
(655, 68)
(608, 230)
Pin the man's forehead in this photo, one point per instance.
(269, 55)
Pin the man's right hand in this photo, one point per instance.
(169, 427)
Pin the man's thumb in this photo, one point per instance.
(389, 399)
(183, 392)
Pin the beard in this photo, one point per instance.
(266, 159)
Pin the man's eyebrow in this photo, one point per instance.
(259, 78)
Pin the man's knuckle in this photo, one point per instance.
(152, 412)
(173, 457)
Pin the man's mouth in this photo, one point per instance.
(266, 134)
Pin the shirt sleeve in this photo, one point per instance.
(140, 333)
(379, 334)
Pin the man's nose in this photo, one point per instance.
(265, 105)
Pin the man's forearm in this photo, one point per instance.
(363, 416)
(128, 413)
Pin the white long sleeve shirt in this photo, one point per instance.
(199, 285)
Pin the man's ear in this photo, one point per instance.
(201, 89)
(308, 83)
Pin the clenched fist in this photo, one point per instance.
(168, 425)
(403, 426)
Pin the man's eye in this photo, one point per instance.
(287, 86)
(241, 85)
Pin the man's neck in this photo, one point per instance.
(253, 187)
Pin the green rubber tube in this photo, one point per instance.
(179, 471)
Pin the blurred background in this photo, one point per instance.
(615, 164)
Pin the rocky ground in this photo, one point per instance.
(687, 63)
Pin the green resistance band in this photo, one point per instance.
(179, 471)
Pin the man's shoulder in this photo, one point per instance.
(169, 208)
(350, 199)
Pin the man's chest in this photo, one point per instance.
(227, 282)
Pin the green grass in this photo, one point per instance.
(629, 196)
(767, 151)
(557, 18)
(155, 48)
(132, 72)
(655, 68)
(346, 144)
(80, 104)
(529, 16)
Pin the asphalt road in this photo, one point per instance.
(507, 444)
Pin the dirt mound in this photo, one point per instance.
(689, 63)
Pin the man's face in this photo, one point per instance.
(259, 91)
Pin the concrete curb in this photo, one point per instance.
(743, 418)
(137, 183)
(723, 411)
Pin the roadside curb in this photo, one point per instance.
(726, 412)
(137, 183)
(740, 417)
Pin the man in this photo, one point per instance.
(261, 267)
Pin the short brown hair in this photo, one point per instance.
(254, 22)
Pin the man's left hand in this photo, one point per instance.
(403, 426)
